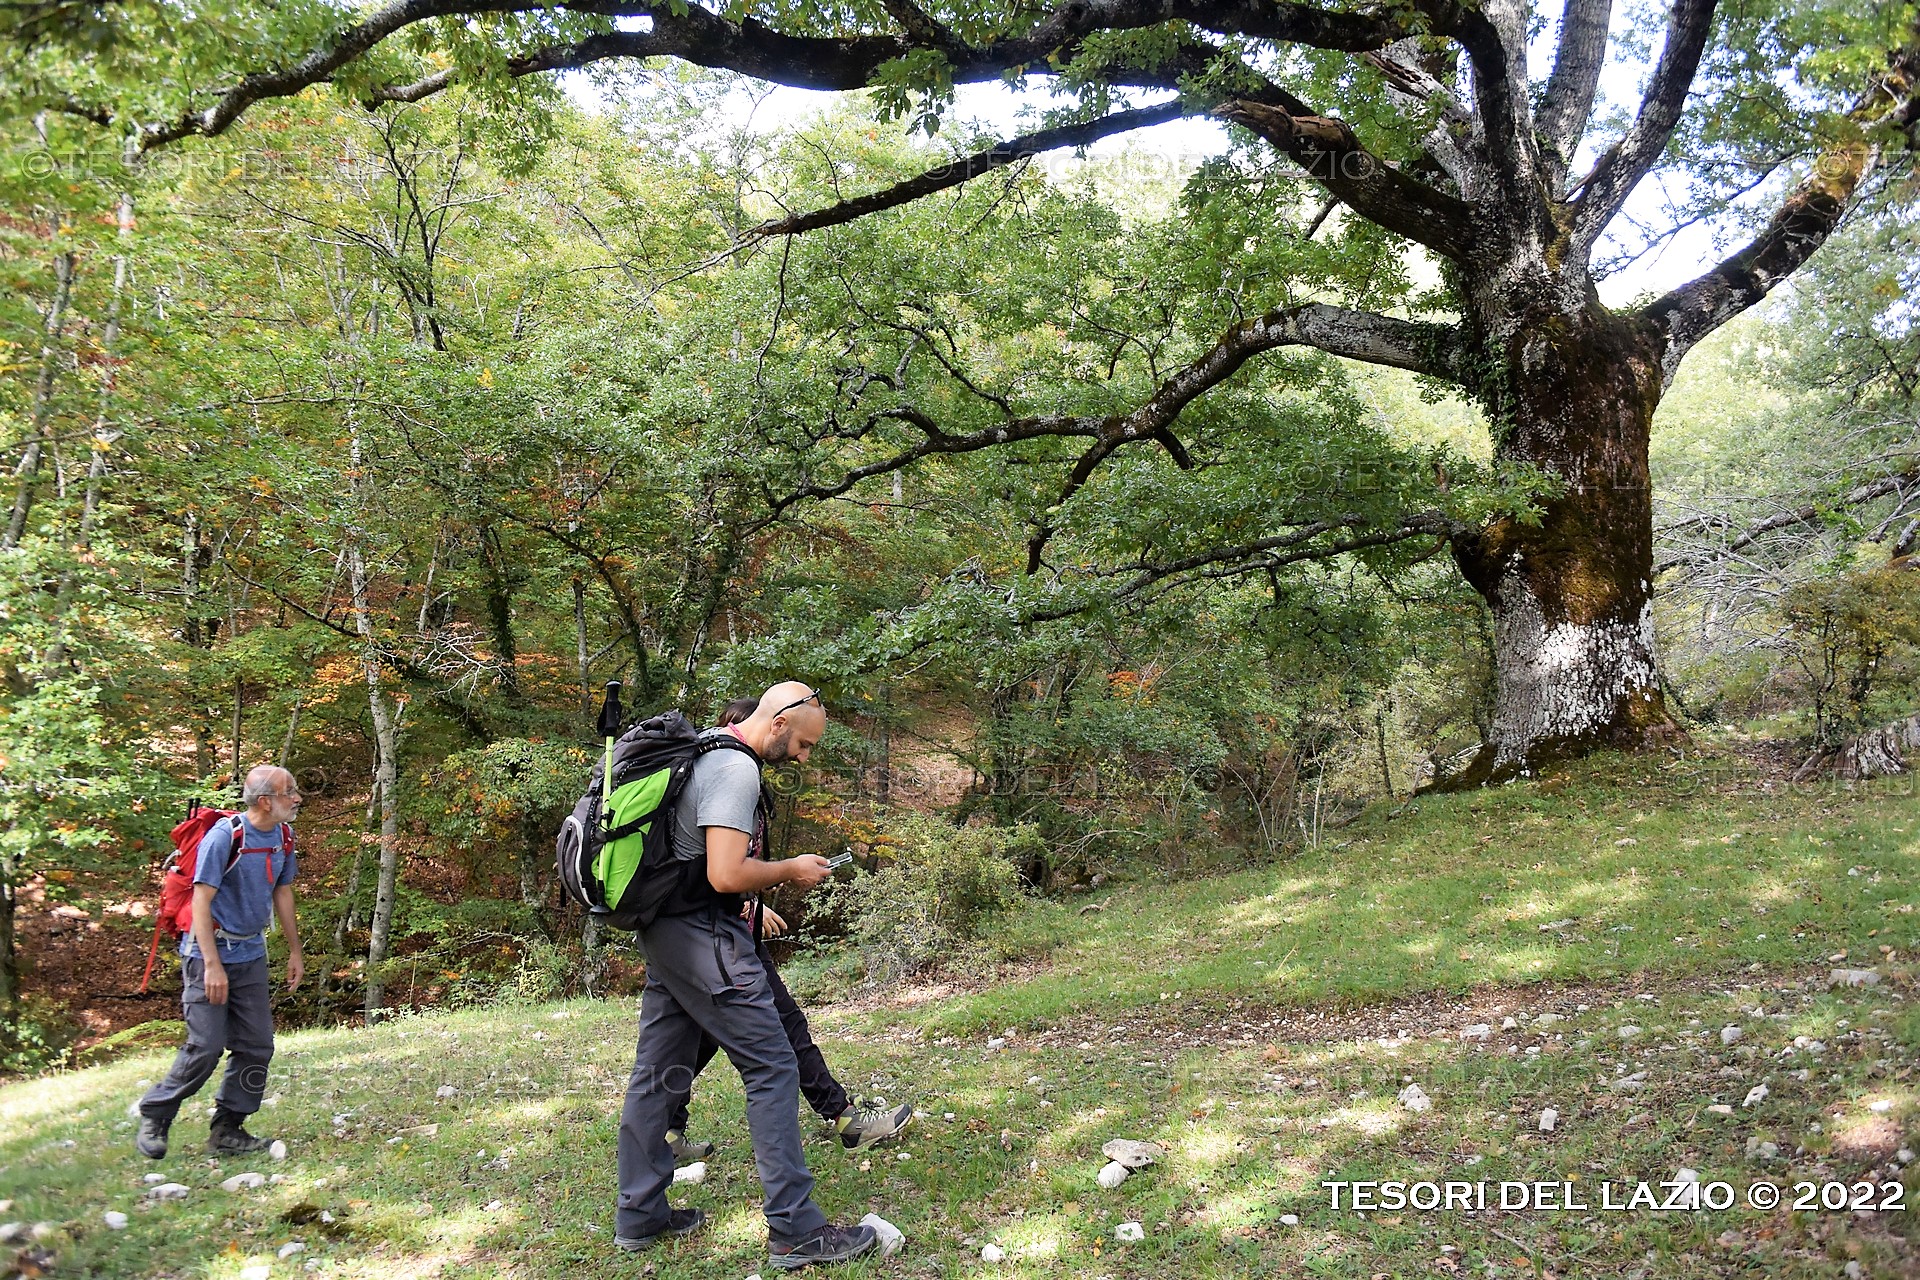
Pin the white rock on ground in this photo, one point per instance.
(1686, 1175)
(692, 1174)
(1548, 1119)
(445, 1091)
(1129, 1231)
(291, 1247)
(1755, 1095)
(992, 1253)
(1853, 978)
(168, 1191)
(1113, 1174)
(1629, 1031)
(889, 1236)
(258, 1271)
(153, 1178)
(1728, 1035)
(1415, 1099)
(1478, 1031)
(244, 1182)
(12, 1232)
(278, 1150)
(115, 1220)
(1132, 1153)
(1509, 1023)
(1289, 1219)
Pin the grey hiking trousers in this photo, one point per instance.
(242, 1028)
(703, 976)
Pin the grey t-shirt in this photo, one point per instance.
(723, 792)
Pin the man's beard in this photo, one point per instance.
(779, 750)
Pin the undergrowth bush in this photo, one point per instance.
(935, 886)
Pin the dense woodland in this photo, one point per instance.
(372, 431)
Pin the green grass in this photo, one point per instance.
(1292, 983)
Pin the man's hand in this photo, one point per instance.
(807, 870)
(296, 969)
(770, 922)
(214, 976)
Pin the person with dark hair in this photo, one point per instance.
(857, 1126)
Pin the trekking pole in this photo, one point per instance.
(609, 730)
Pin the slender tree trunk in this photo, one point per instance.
(1571, 596)
(350, 914)
(293, 727)
(193, 633)
(9, 958)
(28, 472)
(385, 759)
(580, 643)
(104, 435)
(239, 689)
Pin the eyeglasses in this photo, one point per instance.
(813, 697)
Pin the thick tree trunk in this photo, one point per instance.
(1571, 596)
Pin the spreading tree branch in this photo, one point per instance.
(1809, 513)
(1808, 215)
(969, 167)
(1622, 166)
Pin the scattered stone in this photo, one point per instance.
(493, 1206)
(1904, 1155)
(890, 1236)
(1729, 1035)
(1509, 1023)
(168, 1191)
(290, 1248)
(1731, 1240)
(1629, 1031)
(1759, 1149)
(1720, 1109)
(1547, 1019)
(258, 1271)
(12, 1232)
(244, 1182)
(1113, 1174)
(278, 1150)
(1132, 1153)
(1289, 1219)
(1129, 1231)
(1415, 1099)
(1755, 1096)
(996, 1042)
(277, 1179)
(1686, 1175)
(992, 1253)
(1854, 978)
(1478, 1031)
(153, 1178)
(115, 1220)
(1645, 1117)
(1853, 1271)
(691, 1174)
(1548, 1119)
(1880, 1107)
(444, 1091)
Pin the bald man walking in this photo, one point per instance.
(704, 975)
(242, 877)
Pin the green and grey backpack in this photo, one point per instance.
(615, 851)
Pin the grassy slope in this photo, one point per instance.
(1251, 1023)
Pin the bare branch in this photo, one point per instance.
(969, 167)
(1628, 160)
(1809, 513)
(1575, 79)
(1329, 153)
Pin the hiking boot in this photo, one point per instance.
(232, 1140)
(861, 1127)
(828, 1244)
(680, 1222)
(685, 1152)
(151, 1141)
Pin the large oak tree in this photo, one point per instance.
(1421, 117)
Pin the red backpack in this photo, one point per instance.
(175, 916)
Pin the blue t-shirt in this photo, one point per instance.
(243, 900)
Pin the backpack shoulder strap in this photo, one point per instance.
(237, 833)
